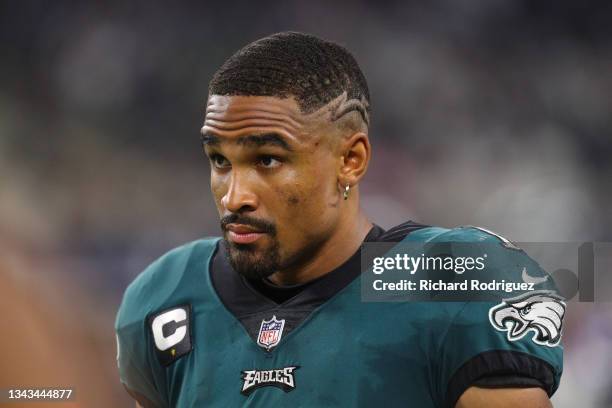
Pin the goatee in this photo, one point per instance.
(246, 259)
(251, 263)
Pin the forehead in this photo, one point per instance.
(239, 115)
(241, 104)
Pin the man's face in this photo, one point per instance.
(273, 178)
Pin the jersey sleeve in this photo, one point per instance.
(514, 341)
(156, 288)
(140, 378)
(473, 349)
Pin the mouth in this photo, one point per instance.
(243, 234)
(519, 328)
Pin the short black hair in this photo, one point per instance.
(312, 70)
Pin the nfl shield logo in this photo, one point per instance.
(270, 332)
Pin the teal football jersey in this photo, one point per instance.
(192, 337)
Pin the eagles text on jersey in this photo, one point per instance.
(193, 333)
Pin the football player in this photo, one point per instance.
(271, 314)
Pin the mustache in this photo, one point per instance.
(260, 225)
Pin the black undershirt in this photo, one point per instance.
(280, 294)
(276, 293)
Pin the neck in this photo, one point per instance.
(343, 243)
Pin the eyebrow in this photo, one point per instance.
(251, 140)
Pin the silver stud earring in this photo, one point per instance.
(346, 192)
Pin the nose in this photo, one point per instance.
(239, 196)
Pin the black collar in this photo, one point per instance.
(251, 302)
(243, 296)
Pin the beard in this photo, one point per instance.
(252, 263)
(246, 259)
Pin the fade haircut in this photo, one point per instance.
(312, 70)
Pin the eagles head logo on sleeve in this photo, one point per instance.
(540, 312)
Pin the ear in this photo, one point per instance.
(356, 152)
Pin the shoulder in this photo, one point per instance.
(514, 276)
(164, 282)
(518, 334)
(415, 231)
(161, 279)
(467, 233)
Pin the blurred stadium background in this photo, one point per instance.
(485, 112)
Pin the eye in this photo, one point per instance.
(525, 310)
(269, 162)
(219, 161)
